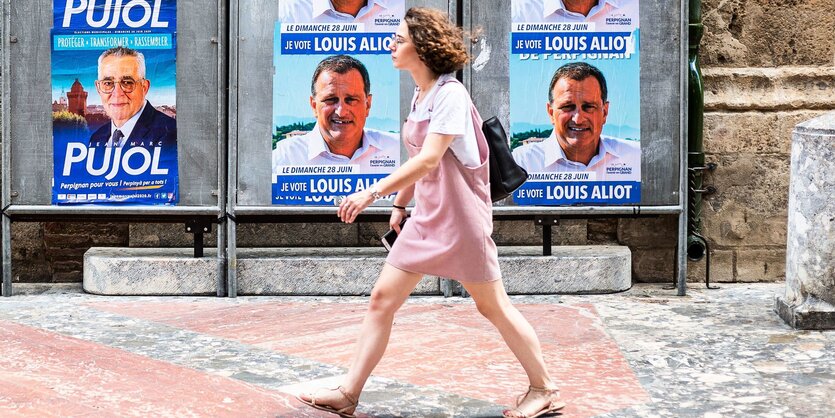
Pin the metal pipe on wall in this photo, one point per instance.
(696, 244)
(222, 154)
(5, 135)
(680, 274)
(233, 35)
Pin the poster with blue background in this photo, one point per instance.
(575, 115)
(114, 102)
(336, 100)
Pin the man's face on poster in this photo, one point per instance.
(121, 88)
(341, 107)
(578, 114)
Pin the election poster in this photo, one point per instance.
(575, 114)
(336, 100)
(114, 102)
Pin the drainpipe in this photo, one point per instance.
(696, 244)
(697, 247)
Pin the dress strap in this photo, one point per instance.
(431, 99)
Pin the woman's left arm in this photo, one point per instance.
(428, 159)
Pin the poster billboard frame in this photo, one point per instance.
(204, 196)
(480, 90)
(471, 15)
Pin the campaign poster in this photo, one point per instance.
(575, 114)
(336, 100)
(114, 108)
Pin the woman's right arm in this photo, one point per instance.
(429, 157)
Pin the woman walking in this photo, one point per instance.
(448, 234)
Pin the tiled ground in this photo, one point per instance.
(640, 353)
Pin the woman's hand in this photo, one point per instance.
(397, 216)
(352, 205)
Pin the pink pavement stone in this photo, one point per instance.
(449, 347)
(43, 374)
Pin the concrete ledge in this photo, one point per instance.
(568, 270)
(32, 289)
(315, 271)
(353, 271)
(149, 271)
(341, 271)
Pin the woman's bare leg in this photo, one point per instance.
(492, 302)
(393, 287)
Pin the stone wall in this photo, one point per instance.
(768, 64)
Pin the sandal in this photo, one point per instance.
(346, 412)
(554, 404)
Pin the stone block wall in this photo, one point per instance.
(768, 65)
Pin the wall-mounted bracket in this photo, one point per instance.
(198, 227)
(546, 221)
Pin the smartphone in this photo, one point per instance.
(389, 237)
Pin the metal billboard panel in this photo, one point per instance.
(254, 65)
(487, 78)
(661, 93)
(200, 117)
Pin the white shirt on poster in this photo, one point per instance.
(379, 152)
(616, 160)
(450, 115)
(608, 15)
(377, 15)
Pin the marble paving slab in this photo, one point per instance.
(644, 352)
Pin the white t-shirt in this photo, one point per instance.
(450, 115)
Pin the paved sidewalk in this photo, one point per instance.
(641, 353)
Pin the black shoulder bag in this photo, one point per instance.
(505, 175)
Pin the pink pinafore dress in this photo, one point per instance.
(448, 233)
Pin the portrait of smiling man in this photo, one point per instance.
(123, 88)
(577, 107)
(340, 98)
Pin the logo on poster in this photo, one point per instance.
(621, 168)
(386, 19)
(113, 11)
(619, 19)
(382, 162)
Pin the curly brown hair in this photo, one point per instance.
(439, 43)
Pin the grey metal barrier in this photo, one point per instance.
(229, 181)
(663, 64)
(250, 125)
(663, 121)
(27, 148)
